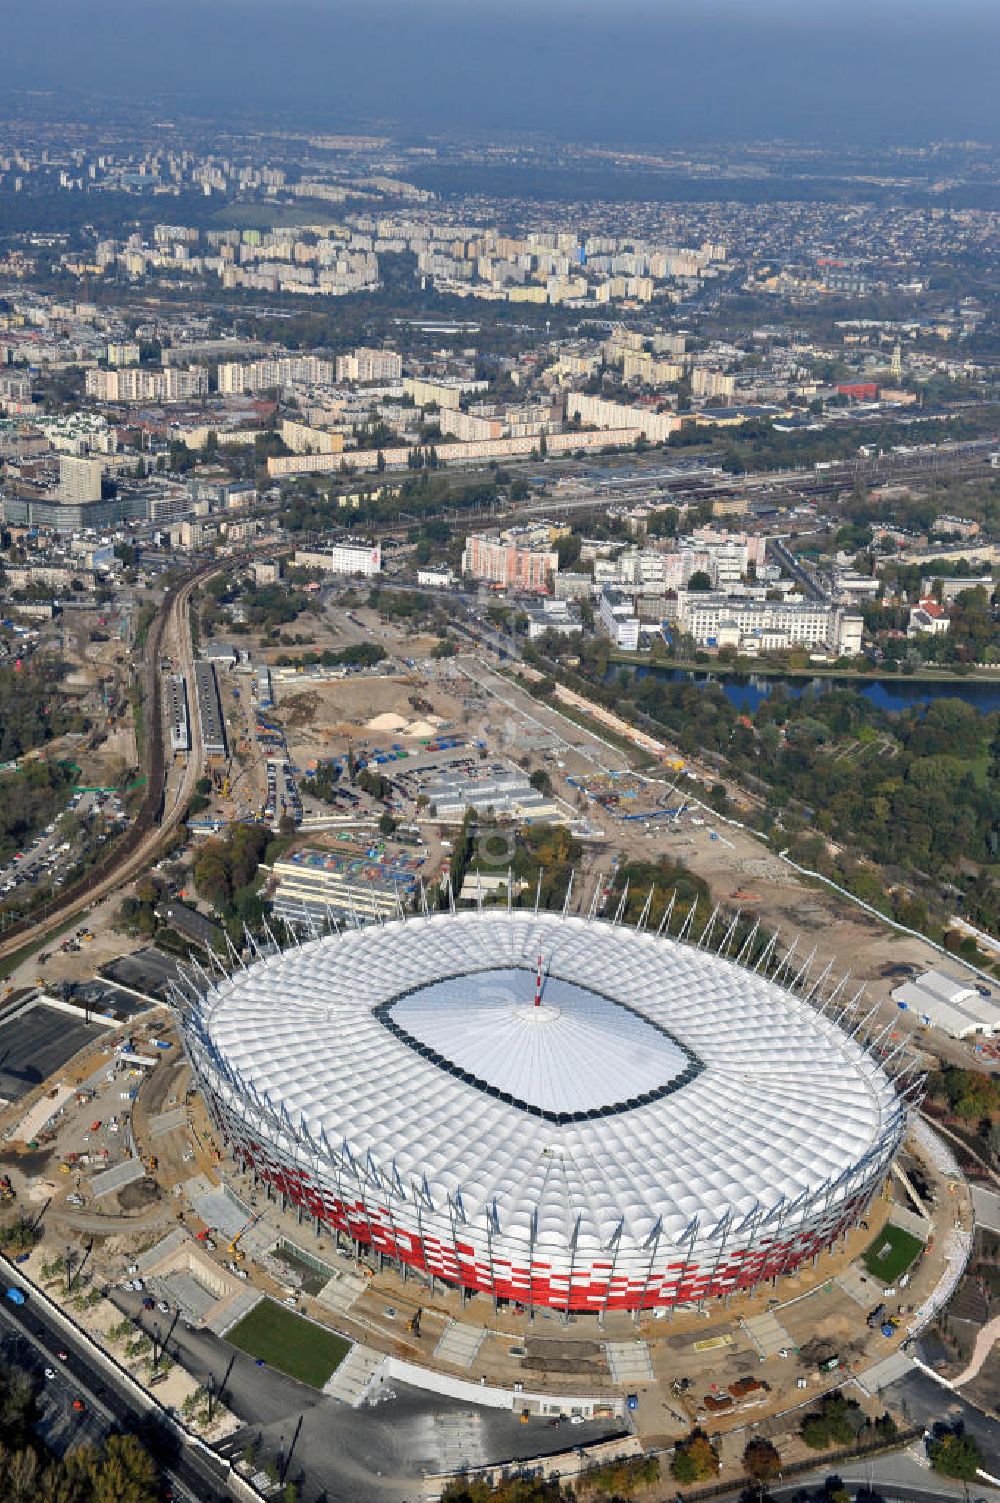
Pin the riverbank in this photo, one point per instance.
(750, 668)
(747, 689)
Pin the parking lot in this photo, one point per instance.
(37, 1043)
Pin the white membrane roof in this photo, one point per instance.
(671, 1085)
(575, 1052)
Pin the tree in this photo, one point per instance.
(955, 1454)
(386, 823)
(761, 1461)
(695, 1458)
(699, 581)
(540, 779)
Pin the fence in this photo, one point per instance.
(824, 1459)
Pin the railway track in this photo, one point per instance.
(153, 826)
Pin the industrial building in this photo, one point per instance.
(213, 727)
(942, 1001)
(498, 791)
(177, 715)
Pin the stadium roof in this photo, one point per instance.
(662, 1087)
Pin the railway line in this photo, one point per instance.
(153, 826)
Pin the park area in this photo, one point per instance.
(288, 1342)
(891, 1254)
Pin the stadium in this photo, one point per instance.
(551, 1110)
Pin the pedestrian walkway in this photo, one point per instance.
(629, 1362)
(767, 1334)
(340, 1292)
(459, 1344)
(897, 1365)
(985, 1338)
(355, 1375)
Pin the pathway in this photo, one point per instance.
(984, 1343)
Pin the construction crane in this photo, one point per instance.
(233, 1247)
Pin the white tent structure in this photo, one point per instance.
(944, 1002)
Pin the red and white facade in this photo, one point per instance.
(653, 1125)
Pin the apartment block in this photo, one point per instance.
(500, 559)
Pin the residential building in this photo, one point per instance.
(501, 559)
(364, 365)
(80, 479)
(706, 383)
(655, 427)
(342, 558)
(617, 617)
(135, 384)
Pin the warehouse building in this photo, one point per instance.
(944, 1002)
(498, 792)
(213, 727)
(177, 715)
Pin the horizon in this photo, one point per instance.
(641, 74)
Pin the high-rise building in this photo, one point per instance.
(370, 365)
(79, 479)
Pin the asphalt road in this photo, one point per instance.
(35, 1045)
(342, 1455)
(111, 1399)
(57, 1423)
(927, 1403)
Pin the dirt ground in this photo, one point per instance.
(319, 718)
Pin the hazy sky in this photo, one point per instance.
(621, 70)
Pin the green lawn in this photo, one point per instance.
(289, 1343)
(891, 1253)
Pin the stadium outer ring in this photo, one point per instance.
(348, 1192)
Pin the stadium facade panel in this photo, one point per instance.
(552, 1110)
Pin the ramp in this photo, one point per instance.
(168, 1122)
(767, 1334)
(629, 1362)
(890, 1370)
(116, 1178)
(459, 1344)
(355, 1375)
(340, 1292)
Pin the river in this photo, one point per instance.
(748, 690)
